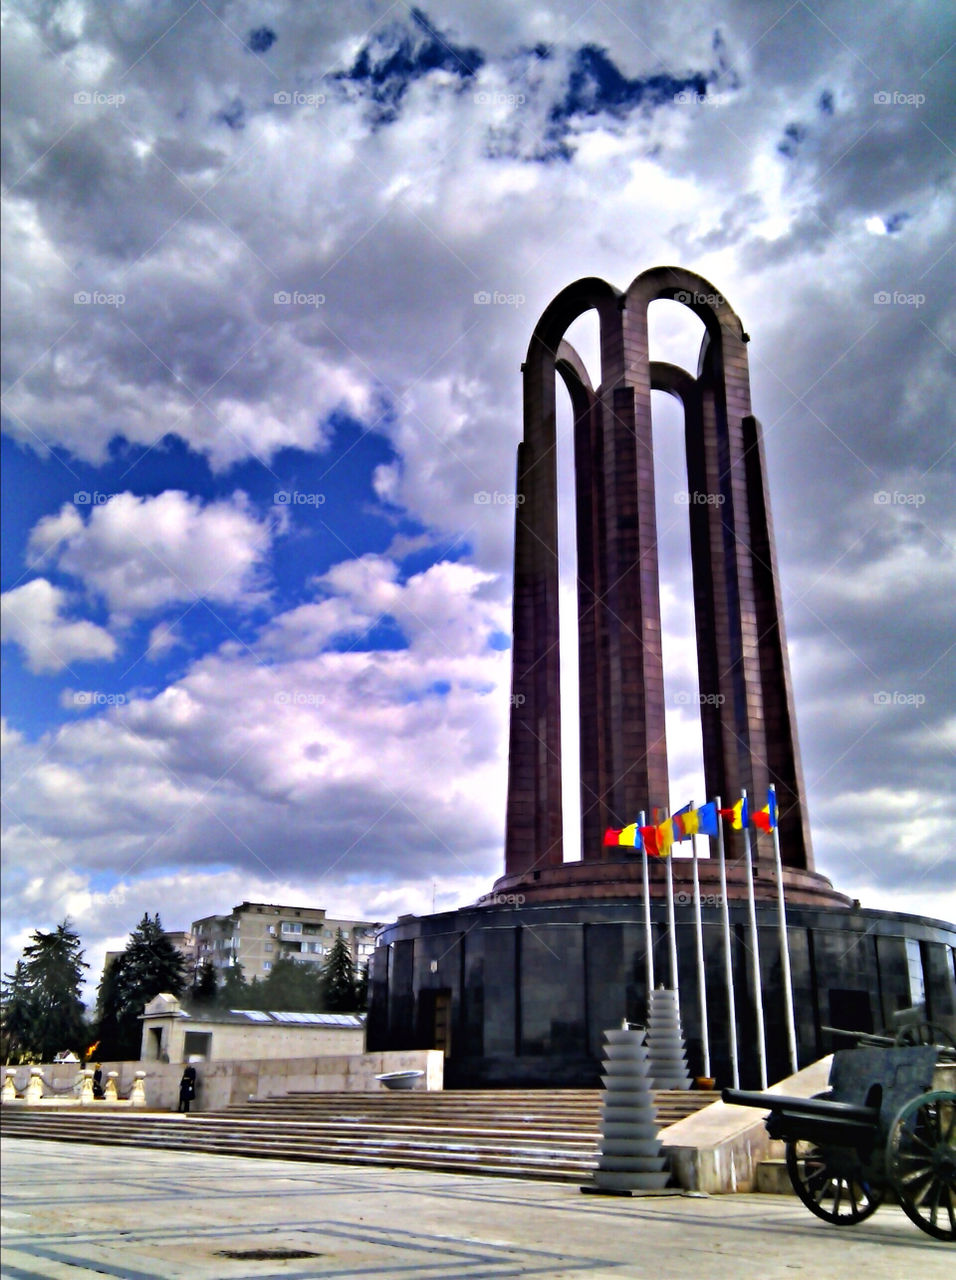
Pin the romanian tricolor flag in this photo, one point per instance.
(685, 822)
(766, 818)
(738, 815)
(651, 839)
(665, 838)
(628, 836)
(708, 822)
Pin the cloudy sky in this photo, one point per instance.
(260, 420)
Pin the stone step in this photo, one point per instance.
(521, 1133)
(551, 1163)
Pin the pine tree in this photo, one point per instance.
(18, 1016)
(234, 992)
(149, 965)
(205, 987)
(292, 987)
(338, 977)
(43, 1012)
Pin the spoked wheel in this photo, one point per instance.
(832, 1183)
(921, 1162)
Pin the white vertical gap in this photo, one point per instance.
(568, 630)
(584, 336)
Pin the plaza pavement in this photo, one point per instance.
(77, 1211)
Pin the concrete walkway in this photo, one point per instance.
(154, 1215)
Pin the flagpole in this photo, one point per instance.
(784, 940)
(701, 978)
(755, 955)
(672, 923)
(648, 933)
(728, 955)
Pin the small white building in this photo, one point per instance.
(174, 1034)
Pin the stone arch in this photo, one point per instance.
(747, 721)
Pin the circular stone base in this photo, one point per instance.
(623, 878)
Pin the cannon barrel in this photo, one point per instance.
(811, 1119)
(822, 1107)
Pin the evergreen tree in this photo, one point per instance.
(234, 992)
(292, 987)
(338, 977)
(205, 986)
(149, 965)
(18, 1016)
(42, 1010)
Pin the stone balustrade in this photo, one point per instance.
(37, 1091)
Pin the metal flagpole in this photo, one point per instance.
(648, 934)
(728, 954)
(784, 941)
(755, 955)
(671, 922)
(701, 979)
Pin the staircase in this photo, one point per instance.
(542, 1134)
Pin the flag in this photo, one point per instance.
(665, 838)
(628, 836)
(707, 820)
(766, 818)
(680, 821)
(737, 816)
(689, 822)
(650, 837)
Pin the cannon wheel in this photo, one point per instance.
(832, 1183)
(921, 1162)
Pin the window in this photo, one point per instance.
(268, 946)
(197, 1044)
(267, 964)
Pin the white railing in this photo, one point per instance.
(37, 1091)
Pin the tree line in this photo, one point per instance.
(42, 1012)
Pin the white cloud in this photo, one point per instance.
(141, 554)
(32, 617)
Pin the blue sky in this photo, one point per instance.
(270, 274)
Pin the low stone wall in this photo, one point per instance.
(221, 1084)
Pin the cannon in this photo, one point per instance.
(887, 1123)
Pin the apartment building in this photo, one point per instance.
(257, 934)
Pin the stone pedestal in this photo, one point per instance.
(34, 1090)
